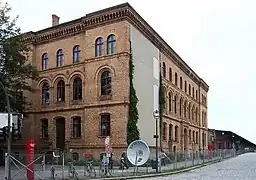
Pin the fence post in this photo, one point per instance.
(63, 164)
(44, 165)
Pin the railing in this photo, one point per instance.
(63, 166)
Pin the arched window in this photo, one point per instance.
(76, 54)
(44, 61)
(185, 109)
(99, 47)
(176, 79)
(60, 57)
(111, 44)
(180, 107)
(61, 91)
(176, 132)
(185, 86)
(164, 131)
(170, 133)
(181, 85)
(77, 89)
(175, 104)
(164, 70)
(170, 101)
(189, 109)
(46, 93)
(105, 83)
(170, 74)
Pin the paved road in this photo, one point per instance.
(242, 167)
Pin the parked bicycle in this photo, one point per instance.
(72, 173)
(89, 170)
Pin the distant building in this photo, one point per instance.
(83, 92)
(227, 140)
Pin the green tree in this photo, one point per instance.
(161, 107)
(15, 68)
(132, 129)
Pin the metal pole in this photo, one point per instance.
(203, 144)
(9, 130)
(156, 145)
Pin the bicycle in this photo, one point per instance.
(72, 171)
(89, 170)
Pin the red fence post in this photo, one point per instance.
(30, 159)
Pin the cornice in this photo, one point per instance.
(108, 16)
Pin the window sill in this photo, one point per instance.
(103, 136)
(77, 102)
(106, 97)
(75, 137)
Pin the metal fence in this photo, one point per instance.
(47, 166)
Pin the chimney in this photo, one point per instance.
(55, 20)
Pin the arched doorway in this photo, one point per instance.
(185, 139)
(60, 133)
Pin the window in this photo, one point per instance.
(164, 70)
(176, 79)
(189, 135)
(170, 101)
(192, 112)
(44, 129)
(189, 109)
(164, 131)
(61, 91)
(76, 54)
(180, 107)
(76, 131)
(196, 137)
(196, 95)
(175, 104)
(176, 133)
(105, 125)
(99, 47)
(196, 114)
(185, 109)
(193, 136)
(44, 61)
(185, 86)
(189, 89)
(77, 89)
(75, 156)
(193, 92)
(170, 74)
(111, 44)
(60, 57)
(45, 93)
(105, 83)
(181, 85)
(170, 132)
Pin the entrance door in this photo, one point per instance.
(60, 133)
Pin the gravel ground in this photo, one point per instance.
(242, 167)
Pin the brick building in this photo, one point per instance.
(83, 92)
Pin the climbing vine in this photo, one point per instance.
(132, 129)
(161, 107)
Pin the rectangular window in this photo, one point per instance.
(76, 127)
(156, 68)
(105, 125)
(45, 128)
(156, 97)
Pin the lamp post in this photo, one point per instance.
(156, 116)
(233, 145)
(9, 130)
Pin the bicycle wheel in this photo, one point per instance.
(92, 172)
(86, 170)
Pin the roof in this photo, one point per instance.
(110, 15)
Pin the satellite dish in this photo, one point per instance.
(138, 152)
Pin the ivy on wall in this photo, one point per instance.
(132, 129)
(161, 107)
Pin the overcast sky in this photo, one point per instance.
(215, 37)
